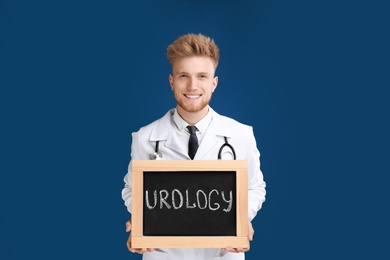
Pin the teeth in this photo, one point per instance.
(192, 96)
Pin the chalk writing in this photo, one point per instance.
(213, 200)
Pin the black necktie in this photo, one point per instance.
(193, 143)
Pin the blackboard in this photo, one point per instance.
(189, 204)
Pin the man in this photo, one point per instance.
(194, 59)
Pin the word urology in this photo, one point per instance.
(176, 199)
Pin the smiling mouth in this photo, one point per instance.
(192, 96)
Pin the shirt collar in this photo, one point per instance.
(201, 125)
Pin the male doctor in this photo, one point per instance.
(194, 59)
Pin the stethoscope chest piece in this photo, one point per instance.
(156, 155)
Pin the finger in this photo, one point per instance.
(138, 251)
(128, 244)
(134, 250)
(236, 250)
(141, 250)
(229, 249)
(242, 249)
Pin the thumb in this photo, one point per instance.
(251, 232)
(128, 226)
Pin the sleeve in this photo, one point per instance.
(256, 184)
(127, 190)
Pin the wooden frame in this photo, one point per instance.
(240, 167)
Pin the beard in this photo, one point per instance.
(192, 108)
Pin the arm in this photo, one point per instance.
(127, 197)
(256, 187)
(256, 184)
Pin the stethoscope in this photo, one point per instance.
(226, 144)
(158, 156)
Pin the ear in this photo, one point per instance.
(171, 81)
(215, 83)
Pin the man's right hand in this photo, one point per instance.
(135, 250)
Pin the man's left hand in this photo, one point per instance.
(251, 233)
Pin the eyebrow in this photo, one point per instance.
(184, 72)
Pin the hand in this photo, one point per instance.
(251, 232)
(128, 243)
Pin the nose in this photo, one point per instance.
(192, 84)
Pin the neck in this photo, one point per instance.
(192, 117)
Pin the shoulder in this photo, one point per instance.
(233, 122)
(161, 123)
(231, 127)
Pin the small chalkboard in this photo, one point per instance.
(189, 204)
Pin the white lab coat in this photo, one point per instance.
(171, 146)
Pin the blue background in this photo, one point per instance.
(311, 77)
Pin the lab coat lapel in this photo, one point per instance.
(208, 149)
(164, 131)
(209, 143)
(217, 129)
(176, 146)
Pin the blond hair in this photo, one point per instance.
(190, 45)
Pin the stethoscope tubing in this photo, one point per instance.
(223, 146)
(157, 155)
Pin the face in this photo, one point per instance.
(193, 82)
